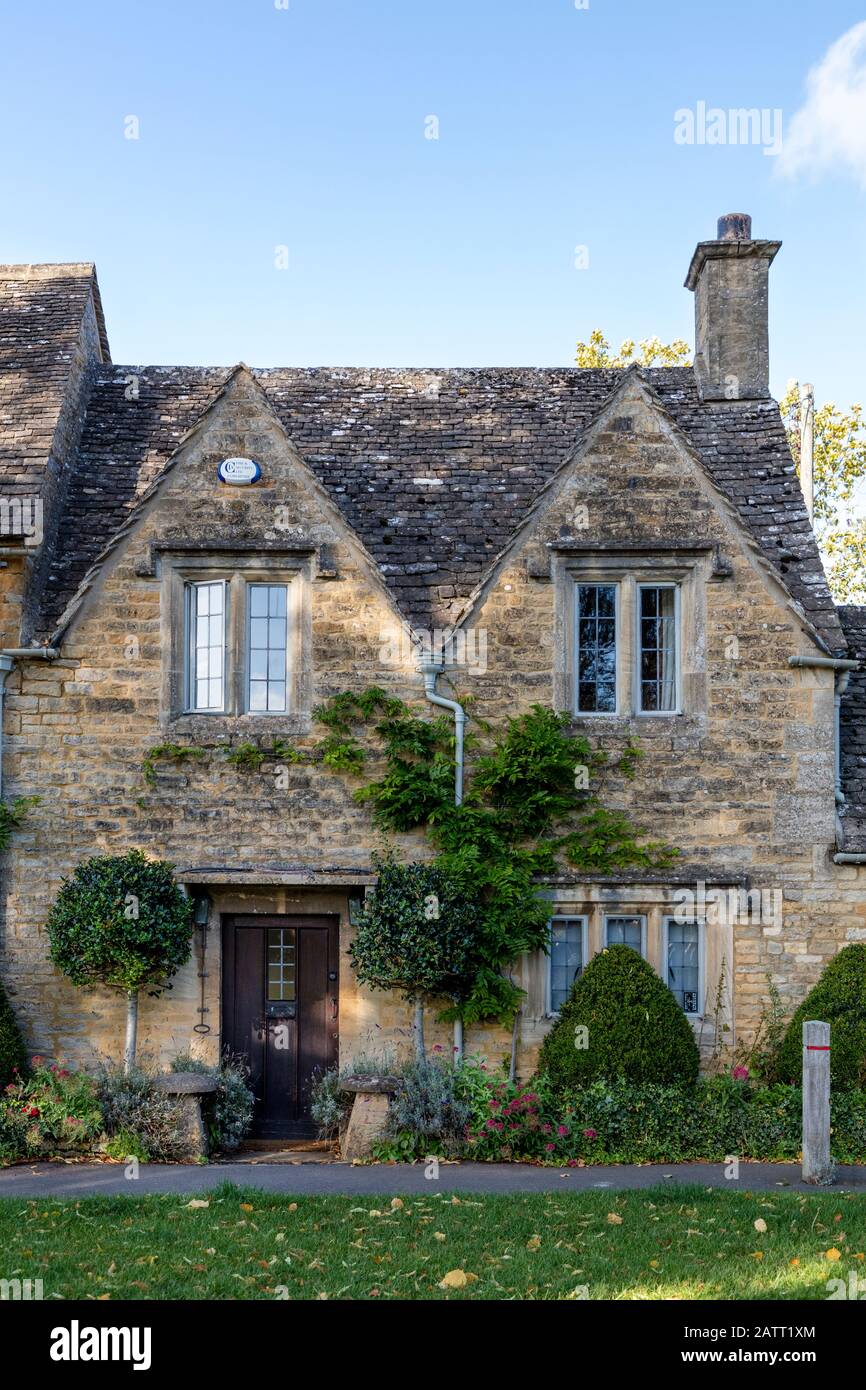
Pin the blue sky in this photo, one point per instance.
(305, 128)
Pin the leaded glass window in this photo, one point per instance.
(625, 931)
(658, 605)
(595, 648)
(683, 964)
(206, 619)
(267, 647)
(566, 958)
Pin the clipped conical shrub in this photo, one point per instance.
(12, 1050)
(839, 998)
(635, 1028)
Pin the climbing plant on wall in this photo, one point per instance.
(531, 805)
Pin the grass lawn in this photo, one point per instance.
(685, 1242)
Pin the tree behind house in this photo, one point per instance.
(839, 462)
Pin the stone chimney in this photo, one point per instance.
(729, 277)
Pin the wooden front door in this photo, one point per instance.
(280, 1002)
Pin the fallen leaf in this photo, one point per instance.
(397, 1203)
(757, 1254)
(832, 1253)
(794, 1262)
(245, 1206)
(197, 1202)
(654, 1264)
(760, 1226)
(439, 1235)
(534, 1243)
(454, 1279)
(613, 1219)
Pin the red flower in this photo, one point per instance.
(546, 1129)
(33, 1112)
(590, 1134)
(740, 1073)
(550, 1147)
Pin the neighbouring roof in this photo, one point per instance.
(41, 312)
(490, 438)
(852, 733)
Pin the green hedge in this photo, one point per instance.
(636, 1030)
(839, 998)
(621, 1122)
(711, 1120)
(13, 1054)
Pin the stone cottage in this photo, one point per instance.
(199, 556)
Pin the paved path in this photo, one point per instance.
(87, 1180)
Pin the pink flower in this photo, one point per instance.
(550, 1147)
(590, 1134)
(546, 1129)
(740, 1073)
(64, 1072)
(560, 1129)
(11, 1088)
(37, 1061)
(437, 1047)
(72, 1120)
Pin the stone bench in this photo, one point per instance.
(188, 1089)
(369, 1115)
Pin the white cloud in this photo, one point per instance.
(828, 133)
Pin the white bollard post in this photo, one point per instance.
(817, 1166)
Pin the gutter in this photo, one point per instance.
(8, 657)
(843, 858)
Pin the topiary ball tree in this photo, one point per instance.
(13, 1054)
(839, 998)
(121, 921)
(635, 1029)
(417, 933)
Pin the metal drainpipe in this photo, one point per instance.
(6, 665)
(8, 657)
(432, 669)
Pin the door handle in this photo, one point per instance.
(334, 1009)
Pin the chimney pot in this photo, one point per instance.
(735, 226)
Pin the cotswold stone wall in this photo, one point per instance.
(742, 781)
